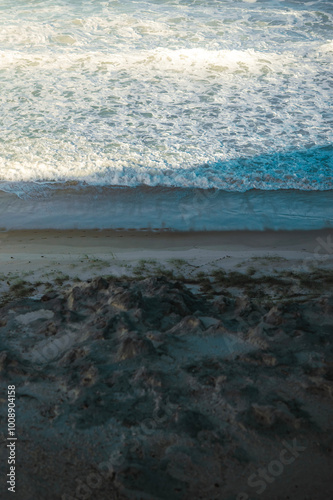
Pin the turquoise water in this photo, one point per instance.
(220, 94)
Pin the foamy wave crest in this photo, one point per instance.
(309, 170)
(199, 63)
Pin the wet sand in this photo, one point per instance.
(40, 247)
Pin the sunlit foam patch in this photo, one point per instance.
(195, 62)
(326, 47)
(25, 33)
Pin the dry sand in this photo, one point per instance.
(170, 366)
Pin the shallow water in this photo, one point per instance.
(161, 208)
(226, 94)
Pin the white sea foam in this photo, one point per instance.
(233, 95)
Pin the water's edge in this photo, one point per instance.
(169, 209)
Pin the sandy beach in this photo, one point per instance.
(158, 365)
(166, 250)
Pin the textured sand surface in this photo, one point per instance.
(178, 373)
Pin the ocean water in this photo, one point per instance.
(226, 94)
